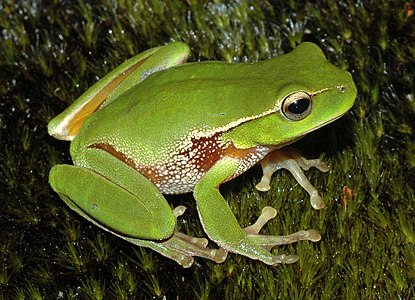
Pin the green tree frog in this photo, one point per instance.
(156, 125)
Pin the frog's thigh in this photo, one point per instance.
(116, 196)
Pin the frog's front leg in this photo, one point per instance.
(119, 199)
(288, 158)
(222, 227)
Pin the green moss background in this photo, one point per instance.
(50, 52)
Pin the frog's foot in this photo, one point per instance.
(196, 246)
(290, 159)
(268, 241)
(183, 248)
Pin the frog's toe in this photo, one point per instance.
(313, 235)
(220, 255)
(185, 261)
(195, 241)
(315, 199)
(258, 246)
(322, 166)
(267, 214)
(183, 248)
(264, 184)
(179, 210)
(286, 259)
(270, 241)
(306, 164)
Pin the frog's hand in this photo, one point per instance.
(66, 125)
(222, 227)
(288, 158)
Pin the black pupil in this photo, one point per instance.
(299, 106)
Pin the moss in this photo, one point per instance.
(52, 52)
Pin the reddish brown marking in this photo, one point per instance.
(148, 172)
(241, 154)
(151, 174)
(111, 150)
(204, 152)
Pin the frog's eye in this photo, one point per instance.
(296, 106)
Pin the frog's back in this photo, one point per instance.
(203, 97)
(162, 111)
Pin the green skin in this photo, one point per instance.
(157, 125)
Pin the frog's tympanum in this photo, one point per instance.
(156, 125)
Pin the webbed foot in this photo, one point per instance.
(183, 248)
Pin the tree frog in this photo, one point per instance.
(156, 125)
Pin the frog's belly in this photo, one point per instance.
(185, 171)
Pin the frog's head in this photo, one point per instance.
(306, 92)
(318, 92)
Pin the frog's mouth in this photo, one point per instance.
(325, 123)
(311, 130)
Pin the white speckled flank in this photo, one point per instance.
(187, 167)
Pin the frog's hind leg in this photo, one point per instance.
(120, 200)
(290, 159)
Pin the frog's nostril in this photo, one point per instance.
(341, 88)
